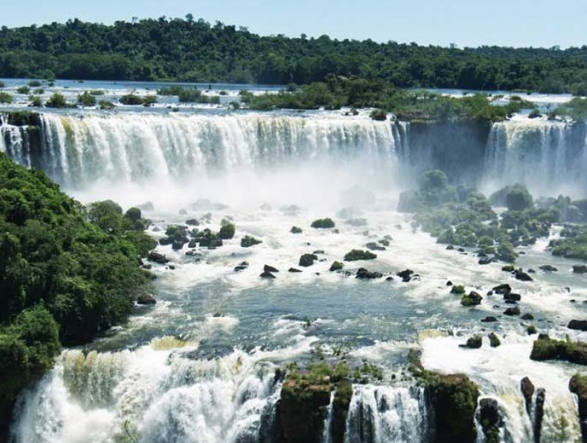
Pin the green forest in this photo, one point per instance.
(195, 51)
(67, 272)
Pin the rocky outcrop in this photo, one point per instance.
(579, 325)
(307, 260)
(364, 274)
(545, 348)
(357, 254)
(527, 388)
(578, 385)
(491, 419)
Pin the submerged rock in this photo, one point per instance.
(372, 246)
(489, 319)
(267, 275)
(241, 266)
(548, 268)
(293, 270)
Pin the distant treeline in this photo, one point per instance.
(194, 50)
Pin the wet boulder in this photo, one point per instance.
(548, 268)
(364, 274)
(473, 299)
(489, 319)
(372, 246)
(268, 268)
(502, 289)
(578, 386)
(357, 254)
(247, 241)
(295, 230)
(294, 270)
(579, 325)
(473, 342)
(580, 269)
(406, 275)
(307, 260)
(336, 266)
(527, 316)
(157, 258)
(512, 297)
(494, 340)
(323, 223)
(146, 299)
(521, 275)
(491, 419)
(527, 388)
(512, 311)
(267, 275)
(227, 231)
(241, 266)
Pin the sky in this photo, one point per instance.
(537, 23)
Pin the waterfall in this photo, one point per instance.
(14, 142)
(79, 150)
(387, 413)
(548, 157)
(152, 394)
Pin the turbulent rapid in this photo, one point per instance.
(205, 364)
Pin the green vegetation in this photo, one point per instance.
(23, 90)
(576, 109)
(132, 99)
(464, 217)
(227, 230)
(2, 84)
(35, 101)
(545, 348)
(97, 92)
(358, 254)
(196, 96)
(194, 50)
(323, 223)
(572, 243)
(5, 97)
(56, 101)
(106, 105)
(34, 83)
(86, 99)
(66, 273)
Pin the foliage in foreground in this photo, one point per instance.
(66, 273)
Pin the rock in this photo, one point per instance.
(157, 258)
(301, 409)
(473, 299)
(579, 325)
(295, 230)
(494, 340)
(192, 243)
(548, 268)
(336, 266)
(578, 385)
(538, 413)
(172, 267)
(307, 260)
(527, 388)
(508, 268)
(521, 275)
(531, 330)
(293, 270)
(147, 266)
(267, 275)
(146, 299)
(490, 418)
(372, 246)
(449, 283)
(502, 289)
(485, 260)
(405, 275)
(192, 222)
(511, 297)
(357, 254)
(319, 251)
(340, 407)
(323, 223)
(580, 269)
(474, 342)
(457, 289)
(545, 348)
(527, 316)
(489, 319)
(241, 267)
(453, 399)
(363, 273)
(450, 247)
(512, 311)
(178, 245)
(271, 269)
(227, 231)
(247, 241)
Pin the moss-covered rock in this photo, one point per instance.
(473, 299)
(336, 266)
(545, 348)
(578, 385)
(307, 260)
(247, 241)
(358, 254)
(323, 223)
(295, 230)
(227, 231)
(494, 340)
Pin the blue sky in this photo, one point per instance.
(465, 22)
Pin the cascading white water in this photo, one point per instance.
(546, 156)
(387, 413)
(152, 394)
(142, 147)
(13, 142)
